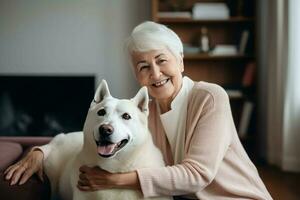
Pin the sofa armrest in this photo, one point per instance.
(10, 152)
(26, 142)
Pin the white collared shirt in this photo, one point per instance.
(174, 121)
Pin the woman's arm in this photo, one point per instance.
(34, 161)
(21, 171)
(94, 178)
(209, 133)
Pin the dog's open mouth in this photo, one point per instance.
(107, 149)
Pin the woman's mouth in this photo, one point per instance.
(160, 83)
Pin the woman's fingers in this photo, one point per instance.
(26, 175)
(40, 174)
(25, 168)
(84, 169)
(83, 183)
(85, 188)
(17, 174)
(89, 188)
(94, 178)
(82, 176)
(11, 170)
(8, 169)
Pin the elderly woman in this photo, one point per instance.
(191, 124)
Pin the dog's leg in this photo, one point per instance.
(63, 148)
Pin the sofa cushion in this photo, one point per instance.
(9, 153)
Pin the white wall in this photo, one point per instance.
(70, 37)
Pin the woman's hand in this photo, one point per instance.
(25, 168)
(95, 178)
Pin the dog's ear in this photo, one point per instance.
(141, 99)
(101, 93)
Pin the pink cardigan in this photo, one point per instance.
(215, 165)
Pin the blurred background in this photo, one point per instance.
(53, 53)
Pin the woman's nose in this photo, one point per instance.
(155, 71)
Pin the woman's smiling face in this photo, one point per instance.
(160, 71)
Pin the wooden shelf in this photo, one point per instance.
(206, 57)
(193, 21)
(228, 71)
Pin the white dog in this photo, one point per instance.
(115, 138)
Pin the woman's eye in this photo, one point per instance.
(143, 67)
(162, 61)
(126, 116)
(101, 112)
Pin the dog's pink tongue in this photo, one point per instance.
(106, 150)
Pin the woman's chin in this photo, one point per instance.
(161, 94)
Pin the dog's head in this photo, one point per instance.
(115, 125)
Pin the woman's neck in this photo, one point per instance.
(164, 105)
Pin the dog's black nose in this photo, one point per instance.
(106, 129)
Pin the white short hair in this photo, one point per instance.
(149, 36)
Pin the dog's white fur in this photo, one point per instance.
(70, 151)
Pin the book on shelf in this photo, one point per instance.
(243, 42)
(210, 11)
(234, 93)
(248, 105)
(175, 15)
(190, 49)
(224, 50)
(245, 118)
(241, 91)
(249, 74)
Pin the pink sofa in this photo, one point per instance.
(11, 150)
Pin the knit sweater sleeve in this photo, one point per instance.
(52, 145)
(46, 149)
(208, 136)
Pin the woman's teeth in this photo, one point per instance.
(160, 83)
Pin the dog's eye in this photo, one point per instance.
(126, 116)
(101, 112)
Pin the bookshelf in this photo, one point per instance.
(193, 21)
(227, 70)
(203, 57)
